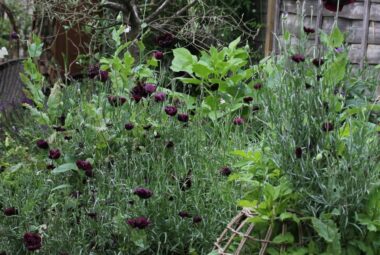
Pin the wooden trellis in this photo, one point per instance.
(240, 230)
(360, 20)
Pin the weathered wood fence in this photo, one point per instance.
(360, 20)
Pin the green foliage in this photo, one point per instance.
(76, 213)
(309, 170)
(227, 69)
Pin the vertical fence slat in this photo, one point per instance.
(271, 16)
(366, 13)
(277, 23)
(319, 23)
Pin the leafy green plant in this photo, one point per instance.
(224, 77)
(73, 181)
(322, 139)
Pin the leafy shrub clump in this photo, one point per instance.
(116, 163)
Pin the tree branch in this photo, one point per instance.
(157, 11)
(188, 6)
(114, 6)
(10, 16)
(131, 5)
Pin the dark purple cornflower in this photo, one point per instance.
(332, 5)
(50, 166)
(143, 193)
(298, 58)
(14, 35)
(92, 215)
(62, 119)
(308, 86)
(197, 219)
(138, 92)
(147, 127)
(225, 171)
(247, 100)
(10, 211)
(171, 110)
(165, 40)
(158, 55)
(67, 137)
(160, 97)
(214, 87)
(183, 117)
(298, 152)
(93, 71)
(150, 88)
(42, 144)
(32, 241)
(308, 30)
(116, 100)
(59, 128)
(327, 127)
(184, 214)
(84, 165)
(238, 121)
(54, 154)
(318, 62)
(103, 75)
(258, 86)
(89, 173)
(169, 145)
(129, 126)
(139, 222)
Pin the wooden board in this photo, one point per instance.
(10, 84)
(350, 21)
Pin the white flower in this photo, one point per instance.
(3, 52)
(127, 29)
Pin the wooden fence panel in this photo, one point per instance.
(360, 21)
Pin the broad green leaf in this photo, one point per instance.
(139, 239)
(41, 117)
(336, 38)
(202, 70)
(336, 71)
(54, 100)
(247, 203)
(326, 229)
(190, 81)
(63, 186)
(183, 60)
(234, 44)
(35, 48)
(65, 168)
(288, 215)
(287, 238)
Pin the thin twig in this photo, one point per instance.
(157, 11)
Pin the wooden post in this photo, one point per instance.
(270, 27)
(319, 23)
(366, 14)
